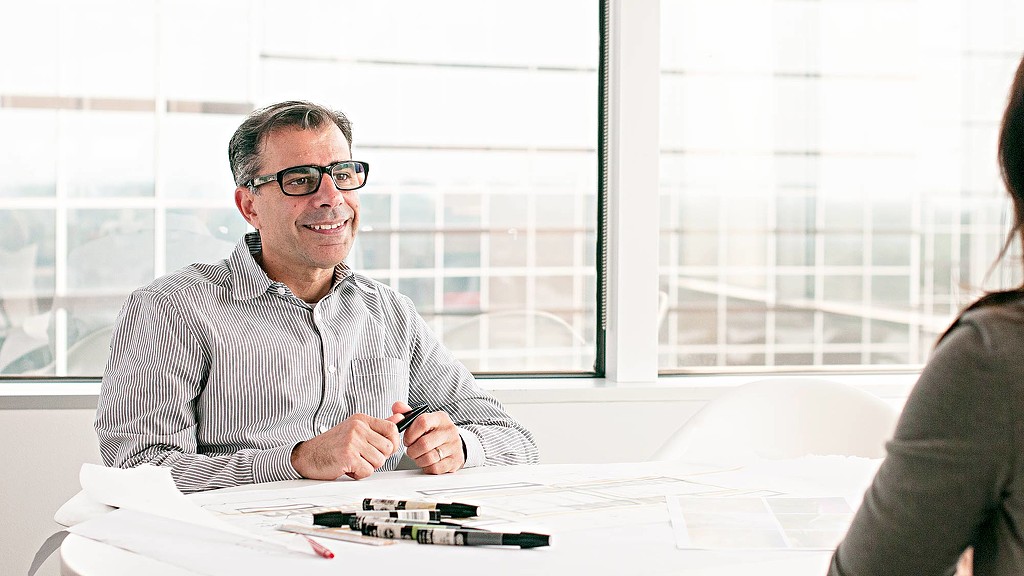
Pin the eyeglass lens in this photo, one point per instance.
(306, 179)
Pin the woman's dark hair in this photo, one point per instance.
(1011, 154)
(1011, 167)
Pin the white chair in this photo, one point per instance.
(780, 418)
(86, 357)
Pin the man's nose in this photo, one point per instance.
(328, 194)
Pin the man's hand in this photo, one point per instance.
(354, 448)
(432, 441)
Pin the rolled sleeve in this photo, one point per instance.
(474, 448)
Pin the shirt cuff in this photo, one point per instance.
(474, 449)
(274, 464)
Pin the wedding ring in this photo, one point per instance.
(440, 455)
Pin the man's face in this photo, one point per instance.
(301, 234)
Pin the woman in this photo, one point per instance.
(954, 474)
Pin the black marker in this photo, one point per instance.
(453, 510)
(410, 416)
(337, 518)
(394, 530)
(358, 522)
(463, 537)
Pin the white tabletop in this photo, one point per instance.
(644, 546)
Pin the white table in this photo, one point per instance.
(643, 545)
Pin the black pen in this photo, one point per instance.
(453, 509)
(410, 416)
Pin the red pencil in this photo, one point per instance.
(319, 548)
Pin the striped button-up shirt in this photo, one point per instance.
(218, 372)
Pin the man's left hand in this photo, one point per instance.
(432, 441)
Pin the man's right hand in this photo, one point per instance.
(354, 448)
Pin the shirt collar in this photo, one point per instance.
(249, 279)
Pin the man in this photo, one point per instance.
(280, 362)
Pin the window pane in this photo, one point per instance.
(107, 154)
(27, 259)
(26, 153)
(481, 206)
(804, 172)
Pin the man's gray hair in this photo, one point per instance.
(246, 144)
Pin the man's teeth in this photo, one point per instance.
(324, 226)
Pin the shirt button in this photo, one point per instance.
(323, 428)
(332, 369)
(281, 290)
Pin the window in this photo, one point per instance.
(479, 119)
(829, 191)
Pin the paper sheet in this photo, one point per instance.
(79, 508)
(148, 489)
(560, 498)
(200, 549)
(778, 523)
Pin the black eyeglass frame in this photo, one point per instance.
(321, 170)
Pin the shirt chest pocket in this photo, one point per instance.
(376, 384)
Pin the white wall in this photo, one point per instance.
(44, 441)
(42, 448)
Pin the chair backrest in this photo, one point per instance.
(780, 418)
(88, 356)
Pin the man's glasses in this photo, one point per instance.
(303, 180)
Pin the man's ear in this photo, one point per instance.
(245, 201)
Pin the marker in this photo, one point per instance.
(453, 510)
(463, 537)
(336, 518)
(410, 416)
(319, 548)
(454, 536)
(357, 523)
(390, 530)
(401, 529)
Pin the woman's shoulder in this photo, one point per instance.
(995, 322)
(997, 308)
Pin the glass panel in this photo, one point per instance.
(107, 154)
(794, 151)
(198, 61)
(462, 250)
(27, 161)
(193, 156)
(416, 250)
(110, 253)
(29, 55)
(482, 198)
(374, 210)
(201, 235)
(27, 287)
(420, 291)
(105, 48)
